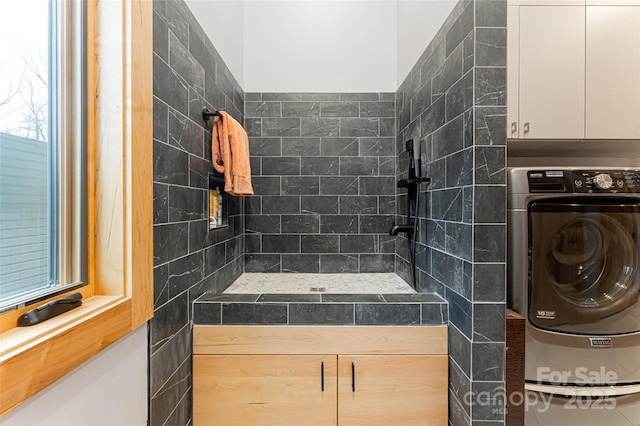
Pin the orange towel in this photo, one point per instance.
(230, 154)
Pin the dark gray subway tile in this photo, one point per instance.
(263, 109)
(169, 242)
(491, 13)
(386, 166)
(460, 349)
(434, 314)
(490, 204)
(266, 185)
(262, 263)
(490, 126)
(170, 165)
(378, 109)
(214, 258)
(253, 243)
(160, 37)
(339, 109)
(265, 146)
(300, 109)
(338, 263)
(460, 28)
(167, 321)
(283, 97)
(207, 313)
(185, 272)
(281, 166)
(319, 204)
(489, 243)
(169, 86)
(359, 127)
(460, 97)
(199, 170)
(487, 361)
(319, 244)
(254, 313)
(379, 147)
(489, 282)
(489, 322)
(282, 243)
(253, 127)
(281, 127)
(460, 313)
(448, 139)
(458, 239)
(320, 166)
(468, 52)
(301, 263)
(387, 127)
(449, 73)
(264, 223)
(377, 185)
(351, 97)
(459, 168)
(338, 185)
(387, 314)
(490, 86)
(321, 127)
(285, 204)
(321, 314)
(490, 165)
(300, 185)
(375, 224)
(318, 97)
(491, 46)
(160, 120)
(160, 203)
(339, 224)
(301, 146)
(434, 116)
(357, 243)
(377, 263)
(186, 204)
(300, 224)
(339, 146)
(359, 205)
(358, 166)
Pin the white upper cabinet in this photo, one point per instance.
(552, 73)
(573, 70)
(613, 72)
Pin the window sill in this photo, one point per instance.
(32, 358)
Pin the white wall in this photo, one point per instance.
(108, 390)
(320, 46)
(223, 22)
(418, 22)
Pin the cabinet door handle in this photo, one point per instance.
(514, 127)
(527, 127)
(353, 377)
(322, 374)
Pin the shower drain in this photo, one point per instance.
(317, 289)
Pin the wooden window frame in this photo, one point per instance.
(119, 294)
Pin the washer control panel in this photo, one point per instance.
(584, 181)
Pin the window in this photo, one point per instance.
(118, 297)
(41, 150)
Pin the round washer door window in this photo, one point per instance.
(591, 261)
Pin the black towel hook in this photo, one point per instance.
(206, 114)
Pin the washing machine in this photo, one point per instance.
(574, 274)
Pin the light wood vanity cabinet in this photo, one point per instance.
(262, 375)
(573, 70)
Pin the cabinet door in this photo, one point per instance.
(613, 72)
(552, 55)
(262, 390)
(392, 390)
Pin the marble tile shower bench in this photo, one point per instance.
(320, 299)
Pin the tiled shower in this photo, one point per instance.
(325, 167)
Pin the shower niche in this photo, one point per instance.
(218, 203)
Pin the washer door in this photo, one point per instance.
(584, 265)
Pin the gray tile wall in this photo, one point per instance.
(323, 167)
(188, 74)
(453, 101)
